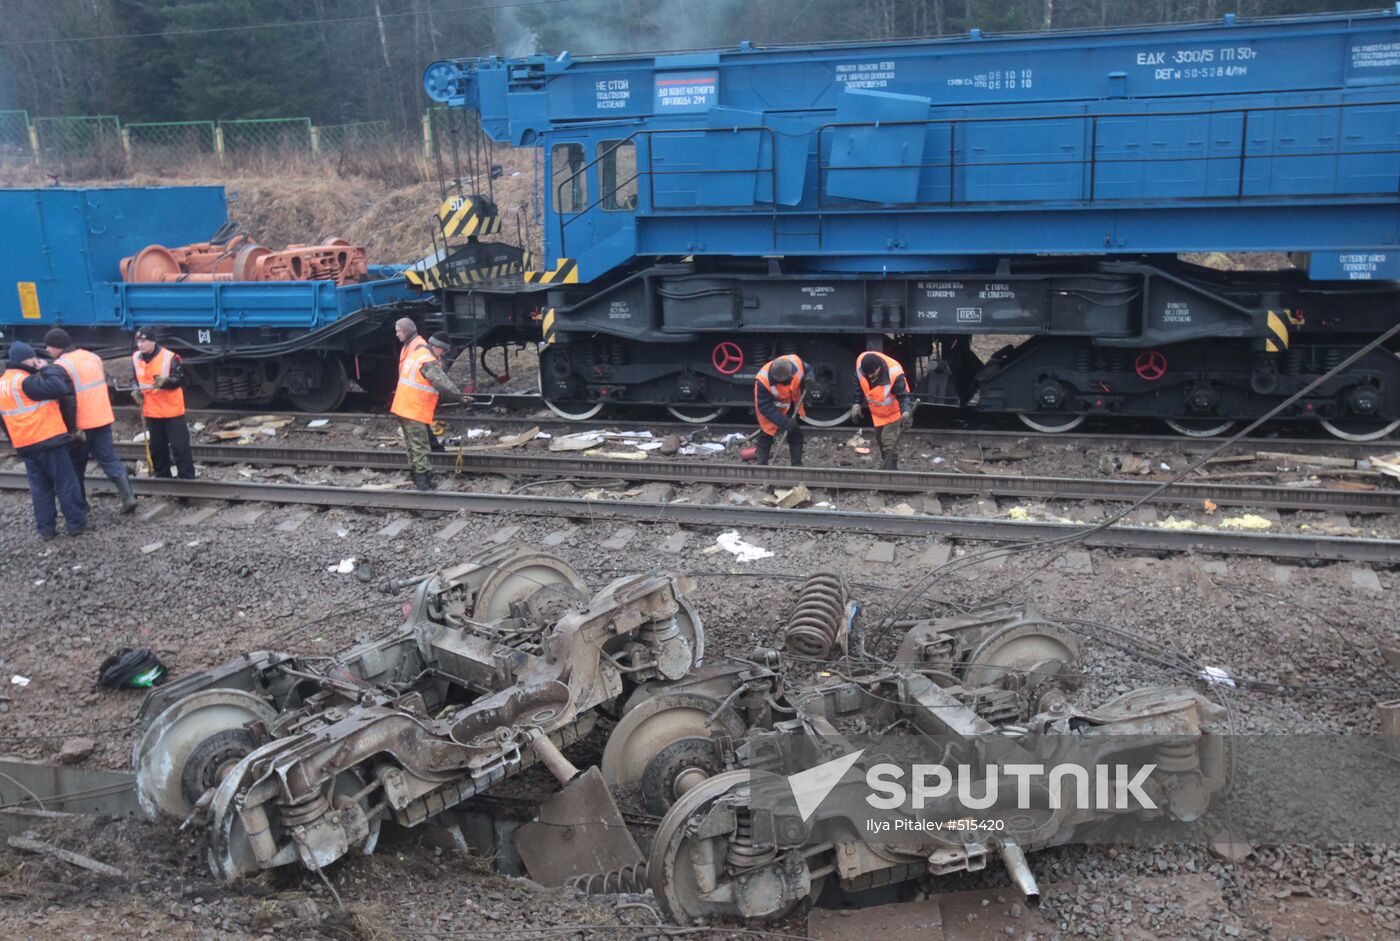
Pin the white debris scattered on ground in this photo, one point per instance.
(18, 680)
(345, 567)
(318, 423)
(1217, 676)
(742, 551)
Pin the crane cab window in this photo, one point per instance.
(617, 166)
(570, 186)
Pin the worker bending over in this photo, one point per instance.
(422, 380)
(160, 379)
(886, 392)
(36, 404)
(777, 398)
(95, 416)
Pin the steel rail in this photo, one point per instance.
(834, 478)
(1147, 539)
(1122, 441)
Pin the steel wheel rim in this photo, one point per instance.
(1376, 434)
(680, 414)
(1180, 427)
(1070, 423)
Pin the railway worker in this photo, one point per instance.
(777, 400)
(160, 377)
(885, 389)
(36, 404)
(422, 380)
(95, 416)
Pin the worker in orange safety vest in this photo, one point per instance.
(95, 416)
(885, 391)
(422, 380)
(37, 410)
(777, 400)
(160, 378)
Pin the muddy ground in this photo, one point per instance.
(203, 586)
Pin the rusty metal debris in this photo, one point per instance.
(505, 660)
(818, 622)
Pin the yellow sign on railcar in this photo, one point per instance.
(28, 300)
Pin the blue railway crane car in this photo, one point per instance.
(707, 210)
(242, 341)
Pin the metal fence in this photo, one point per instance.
(161, 143)
(84, 136)
(156, 142)
(338, 137)
(258, 137)
(14, 135)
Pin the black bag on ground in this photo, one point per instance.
(131, 668)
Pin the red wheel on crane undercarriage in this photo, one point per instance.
(727, 358)
(1151, 366)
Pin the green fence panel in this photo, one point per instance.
(80, 136)
(258, 137)
(14, 135)
(351, 136)
(165, 141)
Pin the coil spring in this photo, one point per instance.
(1178, 756)
(1084, 359)
(757, 352)
(629, 879)
(1331, 358)
(742, 853)
(617, 353)
(295, 815)
(1117, 361)
(816, 621)
(1292, 362)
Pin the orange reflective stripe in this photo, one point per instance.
(157, 403)
(884, 405)
(90, 385)
(27, 421)
(785, 394)
(415, 398)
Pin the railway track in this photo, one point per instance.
(1146, 539)
(930, 436)
(833, 478)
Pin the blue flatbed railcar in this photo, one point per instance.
(717, 207)
(244, 341)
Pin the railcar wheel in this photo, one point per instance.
(826, 416)
(328, 392)
(695, 414)
(658, 723)
(1049, 422)
(571, 411)
(536, 580)
(1199, 427)
(185, 749)
(1359, 429)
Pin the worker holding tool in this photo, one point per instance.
(422, 380)
(39, 414)
(95, 418)
(777, 399)
(160, 377)
(886, 392)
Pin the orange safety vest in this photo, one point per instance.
(90, 384)
(27, 421)
(157, 403)
(417, 343)
(884, 407)
(786, 394)
(415, 398)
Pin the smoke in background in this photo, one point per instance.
(590, 27)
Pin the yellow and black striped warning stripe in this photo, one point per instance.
(547, 325)
(1278, 326)
(465, 215)
(566, 272)
(433, 277)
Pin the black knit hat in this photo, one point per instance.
(146, 333)
(58, 337)
(441, 340)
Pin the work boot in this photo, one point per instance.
(79, 530)
(764, 452)
(795, 449)
(892, 462)
(423, 482)
(124, 491)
